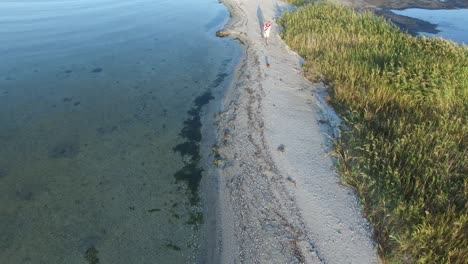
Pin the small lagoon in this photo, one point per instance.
(451, 24)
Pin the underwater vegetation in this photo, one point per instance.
(191, 172)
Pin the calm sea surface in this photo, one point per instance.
(94, 100)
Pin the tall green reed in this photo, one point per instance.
(404, 100)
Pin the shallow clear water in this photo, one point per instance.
(93, 97)
(451, 23)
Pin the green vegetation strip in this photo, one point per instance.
(404, 103)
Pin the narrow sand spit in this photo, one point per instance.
(280, 205)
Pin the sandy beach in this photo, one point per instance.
(280, 197)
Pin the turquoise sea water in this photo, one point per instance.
(93, 99)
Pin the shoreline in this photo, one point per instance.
(400, 5)
(210, 180)
(284, 204)
(412, 25)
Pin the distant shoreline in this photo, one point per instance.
(403, 4)
(411, 25)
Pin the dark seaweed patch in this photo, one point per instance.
(24, 194)
(191, 173)
(175, 215)
(154, 210)
(91, 255)
(189, 148)
(3, 173)
(196, 218)
(219, 79)
(102, 131)
(202, 100)
(64, 150)
(173, 247)
(192, 126)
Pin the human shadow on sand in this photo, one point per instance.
(261, 19)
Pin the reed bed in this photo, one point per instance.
(404, 102)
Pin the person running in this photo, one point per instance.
(266, 31)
